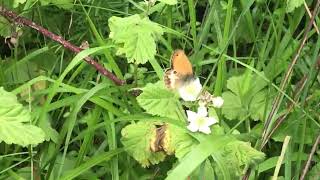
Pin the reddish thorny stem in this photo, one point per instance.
(10, 15)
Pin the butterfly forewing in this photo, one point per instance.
(180, 72)
(181, 63)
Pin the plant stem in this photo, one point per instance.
(10, 15)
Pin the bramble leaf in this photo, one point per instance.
(247, 97)
(14, 122)
(17, 2)
(136, 139)
(292, 4)
(232, 107)
(257, 105)
(135, 36)
(169, 2)
(177, 141)
(158, 100)
(237, 154)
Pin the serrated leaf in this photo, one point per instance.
(257, 105)
(232, 108)
(14, 122)
(135, 36)
(292, 4)
(169, 2)
(21, 134)
(244, 153)
(17, 2)
(136, 139)
(237, 154)
(156, 99)
(246, 84)
(177, 141)
(246, 98)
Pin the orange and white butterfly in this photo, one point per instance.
(180, 72)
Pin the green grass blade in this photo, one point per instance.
(197, 155)
(73, 117)
(192, 16)
(106, 156)
(280, 160)
(111, 60)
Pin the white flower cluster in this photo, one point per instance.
(199, 121)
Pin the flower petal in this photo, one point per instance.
(217, 102)
(192, 116)
(205, 129)
(191, 90)
(197, 83)
(193, 127)
(202, 111)
(186, 96)
(210, 121)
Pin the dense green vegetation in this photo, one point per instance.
(64, 118)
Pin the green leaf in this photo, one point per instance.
(169, 2)
(230, 155)
(247, 97)
(243, 153)
(257, 105)
(5, 27)
(156, 99)
(204, 171)
(19, 133)
(246, 84)
(236, 155)
(271, 162)
(292, 4)
(17, 2)
(14, 122)
(137, 138)
(197, 155)
(177, 141)
(136, 37)
(232, 107)
(93, 161)
(314, 172)
(293, 126)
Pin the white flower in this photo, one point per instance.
(191, 90)
(217, 102)
(199, 121)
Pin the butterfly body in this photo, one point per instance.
(181, 71)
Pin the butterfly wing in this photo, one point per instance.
(180, 72)
(171, 79)
(181, 63)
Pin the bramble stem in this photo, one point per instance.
(12, 16)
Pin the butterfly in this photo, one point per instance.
(181, 71)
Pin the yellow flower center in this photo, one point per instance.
(201, 121)
(190, 89)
